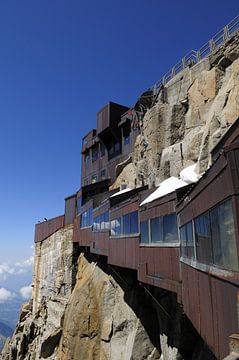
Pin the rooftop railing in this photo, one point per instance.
(194, 57)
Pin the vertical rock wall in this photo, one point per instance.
(192, 113)
(39, 326)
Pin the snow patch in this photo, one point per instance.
(120, 192)
(189, 174)
(165, 187)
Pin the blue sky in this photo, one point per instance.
(61, 61)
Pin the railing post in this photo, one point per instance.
(184, 63)
(226, 33)
(164, 80)
(211, 45)
(198, 55)
(173, 73)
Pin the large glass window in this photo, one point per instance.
(86, 218)
(170, 228)
(156, 230)
(214, 238)
(223, 236)
(126, 224)
(144, 232)
(203, 238)
(134, 222)
(130, 224)
(101, 222)
(187, 245)
(116, 227)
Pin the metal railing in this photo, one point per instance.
(194, 57)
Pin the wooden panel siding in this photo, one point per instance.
(211, 305)
(82, 236)
(99, 242)
(123, 251)
(44, 229)
(70, 209)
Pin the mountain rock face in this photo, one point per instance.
(193, 111)
(5, 332)
(103, 313)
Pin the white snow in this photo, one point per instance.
(165, 187)
(120, 192)
(189, 174)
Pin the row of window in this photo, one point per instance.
(158, 230)
(101, 222)
(125, 225)
(210, 238)
(94, 154)
(114, 150)
(94, 178)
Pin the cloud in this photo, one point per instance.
(26, 292)
(26, 263)
(6, 295)
(18, 268)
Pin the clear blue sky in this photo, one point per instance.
(61, 61)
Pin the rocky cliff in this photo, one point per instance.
(103, 312)
(191, 114)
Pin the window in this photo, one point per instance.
(126, 224)
(114, 149)
(86, 218)
(87, 159)
(214, 237)
(134, 222)
(101, 222)
(85, 182)
(170, 228)
(102, 149)
(94, 179)
(156, 230)
(187, 245)
(129, 224)
(223, 236)
(94, 153)
(116, 227)
(203, 239)
(163, 229)
(144, 232)
(126, 135)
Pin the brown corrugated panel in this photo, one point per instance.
(81, 235)
(99, 243)
(45, 229)
(206, 309)
(226, 295)
(211, 305)
(131, 244)
(191, 295)
(70, 209)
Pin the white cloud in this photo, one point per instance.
(6, 295)
(26, 292)
(18, 268)
(26, 263)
